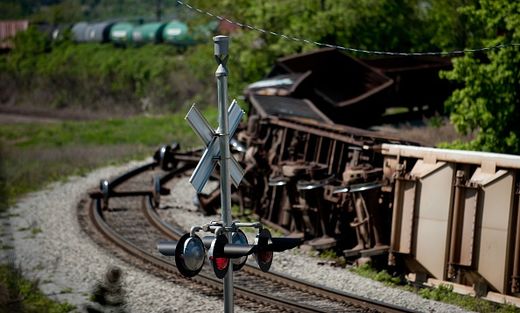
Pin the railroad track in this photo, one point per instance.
(131, 226)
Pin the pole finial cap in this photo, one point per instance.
(221, 45)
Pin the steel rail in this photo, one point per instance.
(96, 217)
(132, 173)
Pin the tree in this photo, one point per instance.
(449, 23)
(489, 101)
(368, 24)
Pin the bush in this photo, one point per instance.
(102, 77)
(489, 101)
(18, 294)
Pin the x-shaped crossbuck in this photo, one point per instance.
(211, 139)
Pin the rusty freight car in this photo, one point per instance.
(447, 215)
(357, 92)
(455, 216)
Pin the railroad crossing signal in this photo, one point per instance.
(190, 251)
(229, 244)
(211, 139)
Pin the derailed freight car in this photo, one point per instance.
(447, 215)
(317, 180)
(357, 92)
(456, 216)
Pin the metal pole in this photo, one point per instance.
(221, 55)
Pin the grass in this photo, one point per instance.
(331, 255)
(35, 231)
(6, 247)
(142, 130)
(32, 155)
(432, 131)
(383, 276)
(22, 295)
(136, 130)
(443, 293)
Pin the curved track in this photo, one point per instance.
(123, 226)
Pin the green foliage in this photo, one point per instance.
(68, 11)
(489, 102)
(36, 154)
(450, 24)
(445, 294)
(104, 9)
(30, 46)
(328, 254)
(383, 276)
(159, 78)
(372, 24)
(13, 9)
(22, 295)
(103, 77)
(435, 121)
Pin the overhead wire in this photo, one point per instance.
(349, 49)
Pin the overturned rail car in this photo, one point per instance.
(315, 179)
(447, 215)
(455, 215)
(356, 92)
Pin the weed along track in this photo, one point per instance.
(125, 221)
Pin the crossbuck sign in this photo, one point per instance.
(211, 139)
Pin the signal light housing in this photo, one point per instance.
(189, 253)
(167, 247)
(219, 261)
(263, 256)
(239, 238)
(265, 245)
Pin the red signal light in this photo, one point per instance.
(265, 256)
(221, 263)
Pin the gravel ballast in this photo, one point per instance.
(49, 245)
